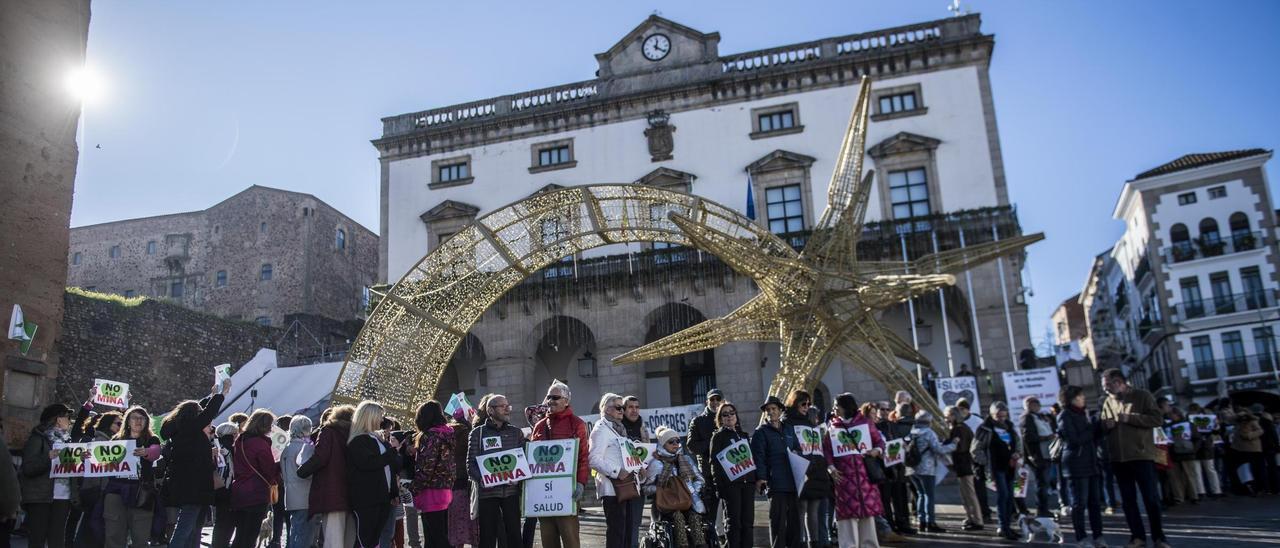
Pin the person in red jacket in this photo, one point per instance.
(255, 471)
(561, 424)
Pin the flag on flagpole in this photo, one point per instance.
(751, 201)
(21, 330)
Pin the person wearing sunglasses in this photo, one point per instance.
(699, 445)
(611, 477)
(561, 424)
(739, 495)
(814, 499)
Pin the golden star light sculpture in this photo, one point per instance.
(823, 302)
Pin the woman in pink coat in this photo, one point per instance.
(857, 499)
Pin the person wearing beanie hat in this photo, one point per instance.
(923, 475)
(996, 447)
(670, 462)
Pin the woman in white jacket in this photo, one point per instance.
(606, 459)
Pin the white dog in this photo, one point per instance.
(264, 531)
(1033, 527)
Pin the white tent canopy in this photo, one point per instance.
(259, 384)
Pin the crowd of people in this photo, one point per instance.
(359, 478)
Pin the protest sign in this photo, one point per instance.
(633, 457)
(503, 467)
(850, 441)
(459, 408)
(279, 440)
(550, 458)
(112, 459)
(645, 451)
(1160, 436)
(894, 452)
(736, 459)
(111, 393)
(799, 467)
(70, 460)
(676, 418)
(810, 440)
(952, 389)
(221, 373)
(548, 497)
(1180, 431)
(1204, 423)
(1020, 482)
(1018, 385)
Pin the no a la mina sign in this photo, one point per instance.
(503, 467)
(893, 453)
(736, 459)
(554, 467)
(850, 441)
(111, 393)
(97, 459)
(549, 458)
(810, 440)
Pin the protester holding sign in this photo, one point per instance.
(996, 448)
(738, 492)
(895, 426)
(88, 531)
(1182, 452)
(773, 476)
(434, 470)
(805, 438)
(255, 477)
(127, 505)
(1205, 473)
(673, 479)
(561, 424)
(614, 485)
(498, 512)
(189, 463)
(46, 500)
(857, 498)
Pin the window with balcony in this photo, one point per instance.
(1242, 238)
(1233, 354)
(1180, 240)
(1223, 300)
(1202, 353)
(1192, 303)
(1264, 346)
(1211, 244)
(1255, 296)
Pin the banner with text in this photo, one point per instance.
(952, 389)
(70, 460)
(676, 418)
(503, 467)
(112, 459)
(1018, 385)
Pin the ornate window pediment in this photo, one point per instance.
(903, 143)
(449, 209)
(667, 178)
(781, 159)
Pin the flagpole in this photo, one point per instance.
(1004, 296)
(911, 309)
(942, 299)
(973, 312)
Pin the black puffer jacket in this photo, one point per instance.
(700, 430)
(720, 440)
(817, 483)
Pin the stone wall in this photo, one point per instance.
(165, 352)
(40, 40)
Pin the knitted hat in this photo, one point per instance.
(665, 435)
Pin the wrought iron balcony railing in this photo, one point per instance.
(1202, 247)
(1236, 366)
(1219, 305)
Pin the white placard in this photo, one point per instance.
(112, 459)
(1160, 436)
(111, 393)
(221, 373)
(810, 440)
(951, 389)
(279, 440)
(70, 460)
(895, 452)
(633, 457)
(850, 441)
(736, 459)
(503, 467)
(549, 496)
(1041, 383)
(799, 467)
(1180, 431)
(1204, 423)
(552, 458)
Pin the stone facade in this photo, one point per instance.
(40, 40)
(699, 122)
(165, 352)
(259, 255)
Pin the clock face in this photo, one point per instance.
(656, 47)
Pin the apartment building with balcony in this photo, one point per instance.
(1186, 300)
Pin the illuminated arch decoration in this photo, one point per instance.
(404, 347)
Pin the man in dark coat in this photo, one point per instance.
(699, 445)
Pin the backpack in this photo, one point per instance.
(914, 455)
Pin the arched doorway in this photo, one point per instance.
(683, 379)
(465, 372)
(559, 345)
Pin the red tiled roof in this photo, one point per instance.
(1199, 159)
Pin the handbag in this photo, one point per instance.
(875, 470)
(673, 496)
(273, 491)
(625, 487)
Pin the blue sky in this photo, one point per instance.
(204, 99)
